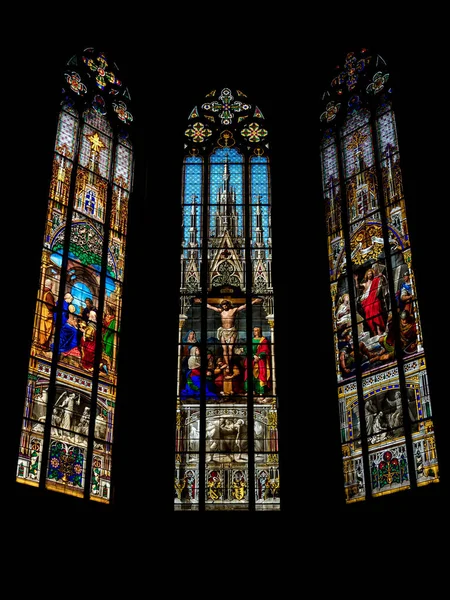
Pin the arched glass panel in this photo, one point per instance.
(386, 425)
(226, 448)
(68, 421)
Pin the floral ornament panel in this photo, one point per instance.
(254, 133)
(389, 471)
(76, 85)
(330, 112)
(98, 84)
(377, 84)
(226, 107)
(66, 464)
(198, 132)
(353, 67)
(103, 77)
(121, 109)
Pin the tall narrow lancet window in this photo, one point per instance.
(386, 425)
(67, 440)
(226, 447)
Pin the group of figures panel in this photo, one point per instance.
(80, 330)
(71, 415)
(229, 486)
(385, 422)
(229, 373)
(69, 435)
(374, 318)
(226, 434)
(227, 454)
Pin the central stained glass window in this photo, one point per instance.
(226, 447)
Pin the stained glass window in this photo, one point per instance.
(67, 431)
(226, 447)
(386, 424)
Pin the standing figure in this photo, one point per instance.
(87, 344)
(260, 364)
(190, 484)
(228, 432)
(87, 309)
(226, 379)
(379, 428)
(189, 340)
(219, 374)
(211, 435)
(408, 332)
(370, 413)
(66, 402)
(395, 419)
(259, 438)
(66, 334)
(405, 294)
(231, 380)
(343, 314)
(370, 301)
(194, 437)
(46, 322)
(240, 440)
(263, 480)
(82, 428)
(108, 337)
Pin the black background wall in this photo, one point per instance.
(285, 76)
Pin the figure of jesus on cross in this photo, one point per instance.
(227, 332)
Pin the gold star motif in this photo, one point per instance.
(96, 142)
